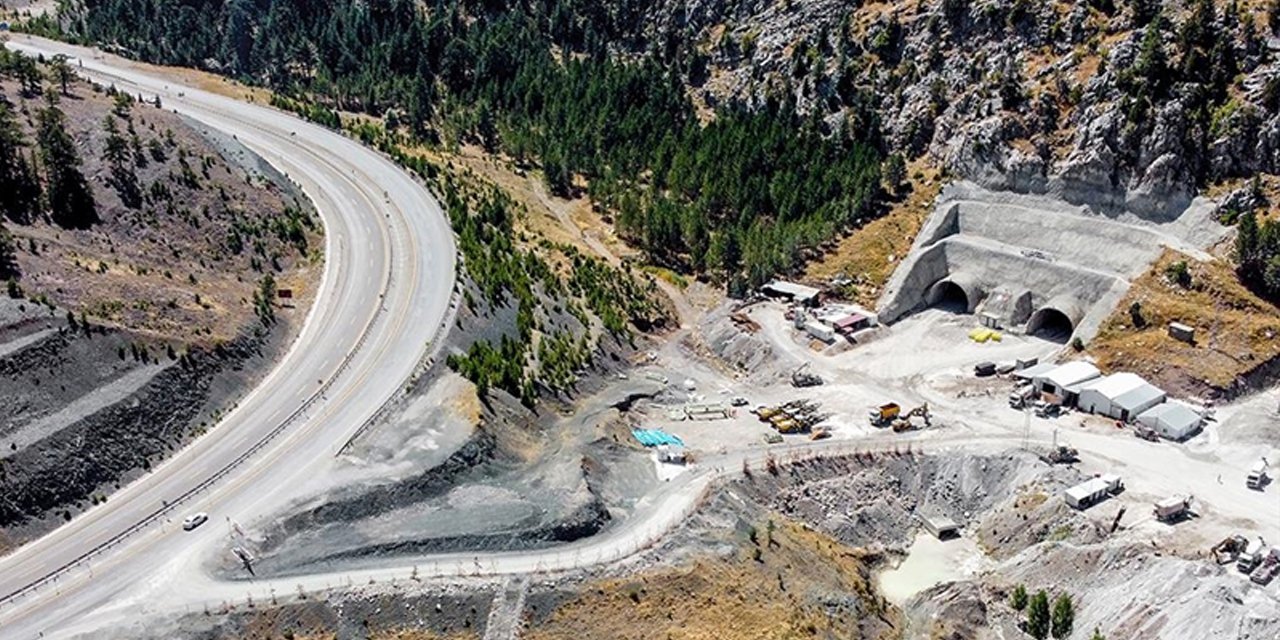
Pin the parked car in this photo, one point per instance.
(194, 520)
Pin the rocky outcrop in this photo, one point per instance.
(1038, 97)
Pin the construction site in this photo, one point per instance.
(950, 451)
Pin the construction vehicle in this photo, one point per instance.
(772, 438)
(1060, 454)
(1146, 433)
(767, 412)
(1257, 475)
(820, 433)
(1229, 549)
(801, 378)
(1267, 571)
(1172, 509)
(884, 415)
(788, 426)
(906, 421)
(1251, 557)
(744, 322)
(984, 369)
(1019, 397)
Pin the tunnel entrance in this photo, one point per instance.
(949, 296)
(1050, 324)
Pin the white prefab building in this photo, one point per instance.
(1172, 420)
(1090, 492)
(1061, 385)
(1120, 395)
(797, 293)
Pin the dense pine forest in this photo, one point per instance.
(739, 194)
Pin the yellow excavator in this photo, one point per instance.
(903, 422)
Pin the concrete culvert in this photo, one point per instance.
(1051, 324)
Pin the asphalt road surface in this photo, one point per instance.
(387, 286)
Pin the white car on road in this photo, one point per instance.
(194, 520)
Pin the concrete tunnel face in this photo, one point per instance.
(1051, 323)
(958, 293)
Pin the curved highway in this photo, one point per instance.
(387, 287)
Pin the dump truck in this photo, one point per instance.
(1092, 491)
(884, 415)
(1251, 557)
(1172, 509)
(767, 412)
(787, 426)
(1268, 569)
(1257, 475)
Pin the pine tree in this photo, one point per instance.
(1018, 599)
(1247, 245)
(1152, 66)
(70, 201)
(1038, 617)
(21, 200)
(1064, 616)
(8, 255)
(119, 156)
(1097, 635)
(61, 70)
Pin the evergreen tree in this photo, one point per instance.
(1018, 599)
(1097, 635)
(8, 255)
(1273, 16)
(1064, 616)
(70, 202)
(1247, 248)
(60, 67)
(19, 189)
(1152, 67)
(1144, 11)
(119, 156)
(1038, 616)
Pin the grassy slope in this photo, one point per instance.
(782, 595)
(163, 270)
(1236, 331)
(870, 254)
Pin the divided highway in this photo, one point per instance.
(386, 290)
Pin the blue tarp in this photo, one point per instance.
(655, 437)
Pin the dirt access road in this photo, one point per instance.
(387, 288)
